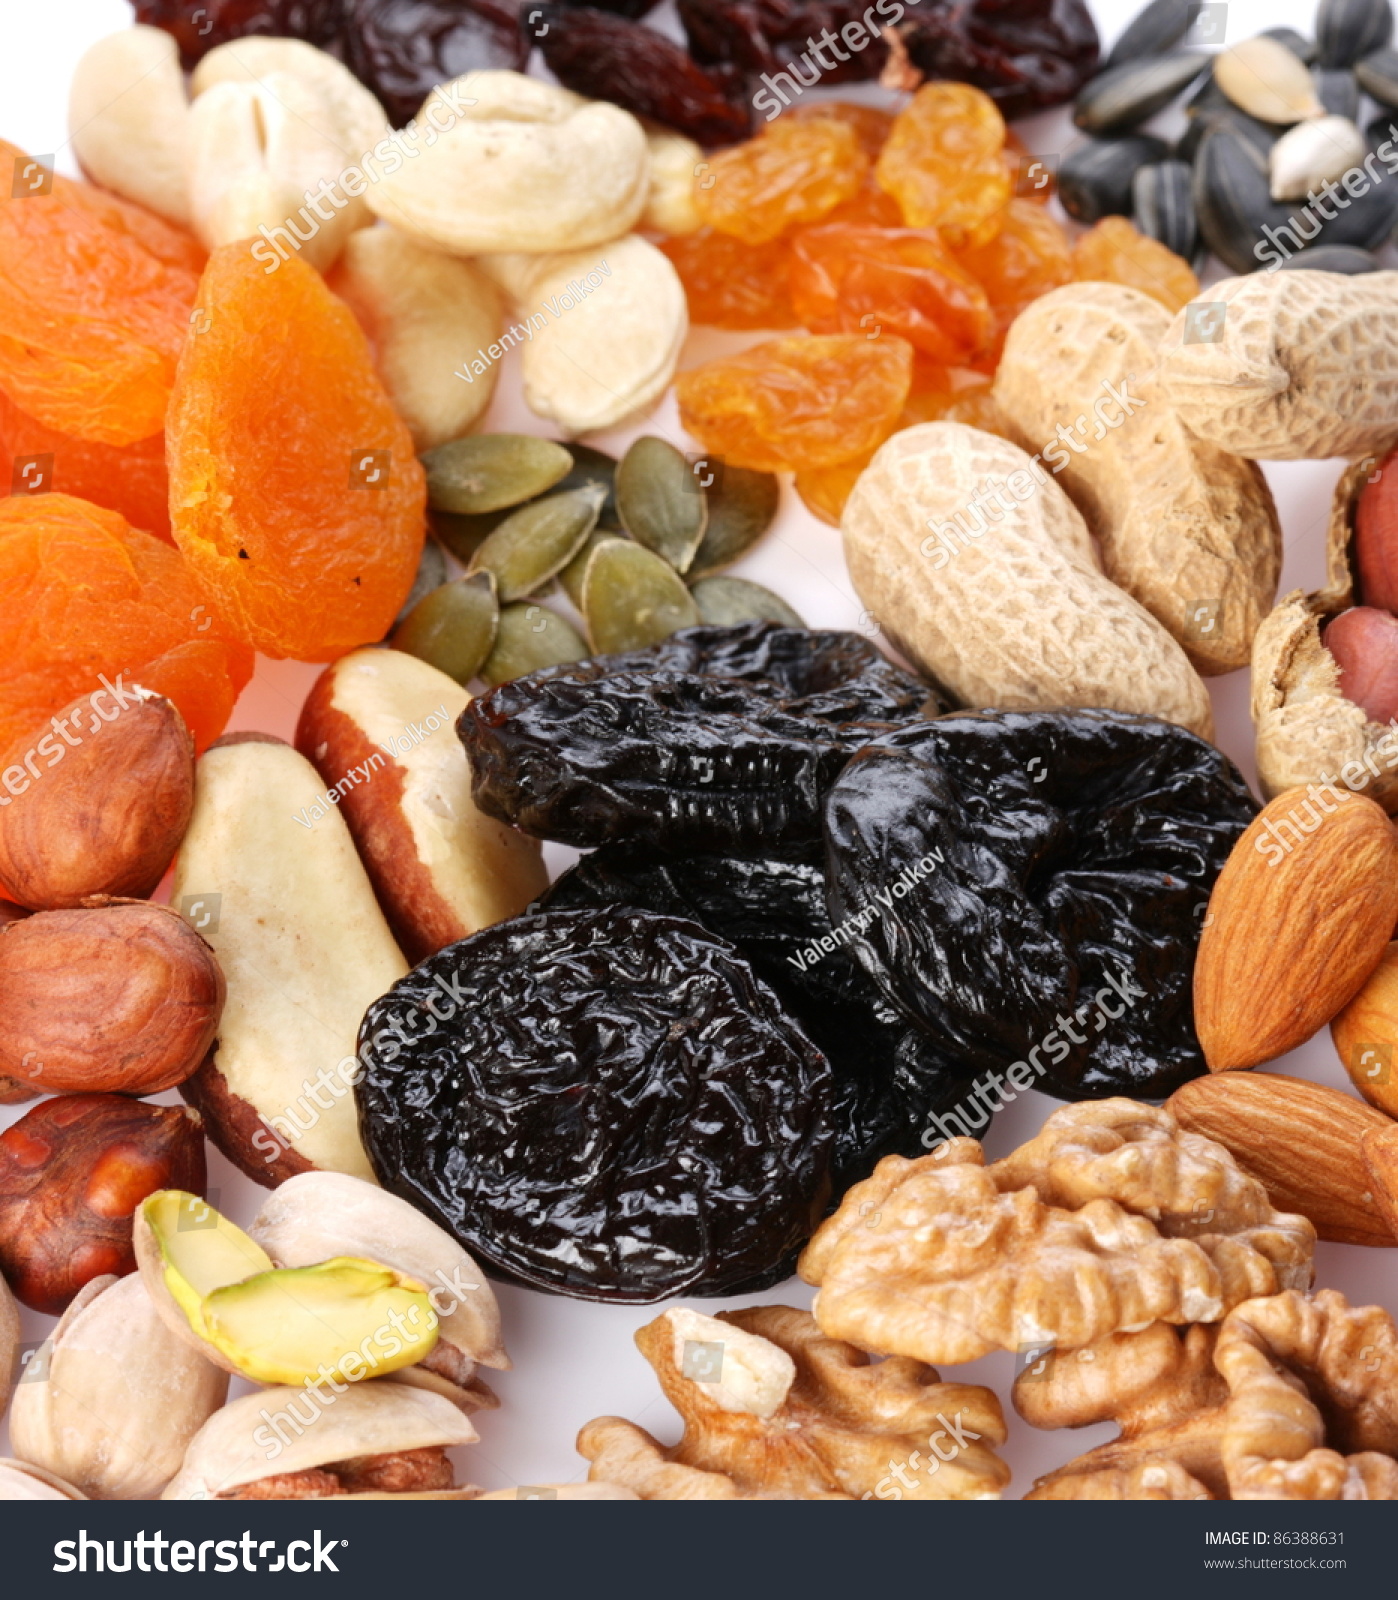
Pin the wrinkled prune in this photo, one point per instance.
(606, 1103)
(888, 1075)
(760, 36)
(197, 29)
(402, 49)
(1027, 55)
(603, 55)
(719, 741)
(1042, 864)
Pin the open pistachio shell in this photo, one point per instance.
(21, 1480)
(9, 1343)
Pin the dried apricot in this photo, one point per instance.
(798, 402)
(1115, 252)
(791, 173)
(944, 163)
(1029, 256)
(870, 125)
(730, 284)
(895, 280)
(88, 596)
(294, 490)
(127, 478)
(95, 298)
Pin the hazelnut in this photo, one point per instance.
(72, 1172)
(121, 999)
(100, 810)
(1364, 643)
(1376, 536)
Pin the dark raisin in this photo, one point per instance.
(609, 58)
(606, 1103)
(767, 36)
(622, 8)
(889, 1077)
(402, 49)
(1056, 869)
(197, 28)
(719, 741)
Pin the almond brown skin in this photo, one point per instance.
(122, 998)
(104, 815)
(1297, 921)
(72, 1172)
(1301, 1140)
(1366, 1035)
(1380, 1148)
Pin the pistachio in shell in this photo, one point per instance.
(109, 1403)
(271, 1324)
(488, 471)
(631, 598)
(742, 506)
(661, 500)
(538, 540)
(9, 1344)
(529, 638)
(453, 628)
(730, 602)
(22, 1480)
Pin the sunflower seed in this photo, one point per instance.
(729, 602)
(431, 574)
(1164, 205)
(742, 505)
(488, 471)
(1263, 78)
(660, 501)
(1382, 130)
(1378, 76)
(1260, 135)
(538, 540)
(1313, 153)
(631, 598)
(1126, 95)
(529, 638)
(1337, 89)
(1094, 177)
(1344, 258)
(1348, 30)
(1300, 46)
(454, 628)
(1232, 198)
(1152, 30)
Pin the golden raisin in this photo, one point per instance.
(1115, 252)
(730, 284)
(791, 173)
(1029, 256)
(871, 126)
(944, 163)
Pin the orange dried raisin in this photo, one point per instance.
(1115, 252)
(1031, 176)
(944, 164)
(894, 280)
(870, 125)
(95, 298)
(797, 402)
(791, 173)
(127, 478)
(295, 493)
(88, 596)
(730, 284)
(1029, 256)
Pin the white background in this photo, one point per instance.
(574, 1361)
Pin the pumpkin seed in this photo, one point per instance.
(539, 539)
(1348, 30)
(593, 466)
(1126, 95)
(1312, 153)
(1164, 205)
(1377, 75)
(1152, 30)
(631, 598)
(661, 501)
(742, 506)
(729, 602)
(529, 638)
(431, 574)
(1346, 258)
(489, 471)
(573, 574)
(453, 628)
(1300, 46)
(462, 533)
(1263, 78)
(1095, 175)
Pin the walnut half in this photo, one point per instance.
(774, 1410)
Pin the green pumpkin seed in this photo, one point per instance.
(729, 602)
(631, 598)
(454, 628)
(538, 540)
(486, 471)
(461, 533)
(593, 466)
(573, 574)
(431, 574)
(530, 637)
(742, 506)
(661, 502)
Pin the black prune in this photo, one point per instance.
(199, 25)
(1041, 864)
(718, 741)
(603, 55)
(606, 1103)
(402, 49)
(889, 1077)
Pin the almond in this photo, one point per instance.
(1366, 1035)
(1301, 1140)
(1298, 919)
(99, 804)
(1380, 1148)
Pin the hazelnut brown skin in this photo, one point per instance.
(103, 808)
(72, 1172)
(122, 998)
(1364, 643)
